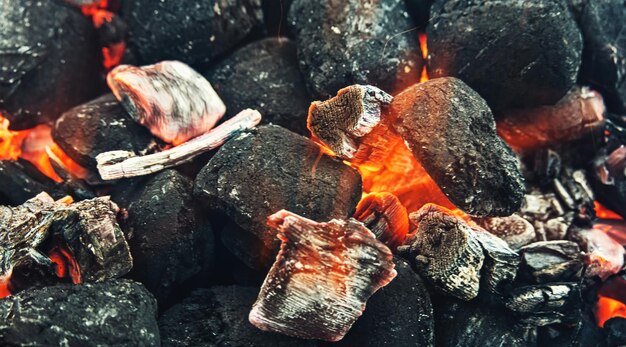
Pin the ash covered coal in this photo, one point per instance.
(515, 54)
(343, 43)
(268, 169)
(119, 312)
(50, 61)
(264, 76)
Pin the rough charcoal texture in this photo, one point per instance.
(515, 230)
(399, 314)
(99, 126)
(171, 243)
(604, 54)
(551, 261)
(50, 61)
(261, 172)
(345, 42)
(501, 263)
(192, 31)
(385, 216)
(545, 304)
(22, 181)
(218, 316)
(264, 76)
(451, 131)
(514, 53)
(112, 313)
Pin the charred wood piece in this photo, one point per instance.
(169, 98)
(545, 304)
(514, 230)
(120, 164)
(603, 255)
(551, 261)
(384, 215)
(500, 265)
(322, 277)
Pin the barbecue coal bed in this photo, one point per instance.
(312, 173)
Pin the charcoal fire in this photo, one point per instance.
(384, 215)
(322, 277)
(603, 255)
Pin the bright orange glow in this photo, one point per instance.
(113, 55)
(57, 155)
(385, 206)
(65, 264)
(10, 141)
(604, 213)
(4, 285)
(424, 47)
(611, 300)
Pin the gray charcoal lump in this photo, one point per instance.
(192, 31)
(112, 313)
(514, 53)
(264, 76)
(218, 316)
(268, 169)
(345, 42)
(450, 130)
(99, 126)
(50, 60)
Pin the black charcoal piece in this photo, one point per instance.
(545, 304)
(344, 42)
(261, 172)
(218, 316)
(50, 61)
(171, 243)
(22, 181)
(399, 314)
(616, 331)
(513, 53)
(99, 126)
(552, 261)
(501, 263)
(111, 313)
(450, 130)
(264, 76)
(604, 53)
(195, 32)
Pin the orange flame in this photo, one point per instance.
(424, 47)
(604, 213)
(66, 265)
(611, 300)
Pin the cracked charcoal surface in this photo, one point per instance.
(170, 242)
(451, 131)
(261, 172)
(218, 316)
(264, 76)
(49, 59)
(476, 40)
(118, 313)
(96, 127)
(344, 42)
(192, 31)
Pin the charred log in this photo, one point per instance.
(384, 215)
(551, 261)
(514, 230)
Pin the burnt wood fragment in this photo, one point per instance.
(384, 215)
(545, 304)
(514, 230)
(218, 316)
(500, 265)
(195, 32)
(260, 172)
(22, 181)
(517, 54)
(551, 261)
(264, 75)
(342, 43)
(50, 61)
(450, 130)
(119, 312)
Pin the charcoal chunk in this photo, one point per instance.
(545, 304)
(264, 76)
(451, 131)
(99, 126)
(192, 31)
(616, 331)
(22, 181)
(50, 61)
(261, 172)
(345, 42)
(513, 53)
(552, 261)
(171, 243)
(218, 316)
(120, 312)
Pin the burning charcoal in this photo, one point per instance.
(552, 261)
(399, 314)
(192, 31)
(580, 113)
(609, 180)
(603, 255)
(604, 54)
(170, 242)
(258, 173)
(264, 76)
(345, 43)
(112, 313)
(50, 61)
(447, 252)
(501, 263)
(218, 316)
(384, 215)
(99, 126)
(515, 54)
(169, 98)
(546, 303)
(451, 131)
(322, 277)
(22, 181)
(616, 331)
(515, 230)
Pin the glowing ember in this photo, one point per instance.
(424, 47)
(611, 298)
(66, 265)
(604, 213)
